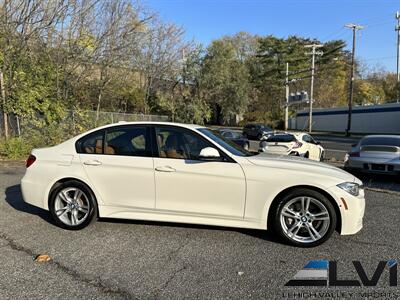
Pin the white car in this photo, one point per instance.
(186, 173)
(293, 143)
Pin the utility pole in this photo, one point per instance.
(398, 55)
(287, 97)
(313, 53)
(353, 27)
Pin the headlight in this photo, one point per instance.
(350, 187)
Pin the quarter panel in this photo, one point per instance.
(265, 183)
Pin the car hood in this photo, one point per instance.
(299, 164)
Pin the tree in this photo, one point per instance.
(225, 80)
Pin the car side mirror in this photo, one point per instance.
(317, 143)
(209, 154)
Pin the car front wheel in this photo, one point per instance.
(304, 218)
(73, 205)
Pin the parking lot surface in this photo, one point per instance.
(114, 259)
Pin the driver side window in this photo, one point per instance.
(179, 144)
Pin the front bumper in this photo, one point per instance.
(351, 210)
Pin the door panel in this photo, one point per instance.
(185, 183)
(213, 188)
(122, 180)
(121, 169)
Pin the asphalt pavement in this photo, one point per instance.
(114, 259)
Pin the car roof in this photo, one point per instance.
(392, 136)
(297, 134)
(123, 123)
(190, 126)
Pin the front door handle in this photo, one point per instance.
(165, 169)
(93, 162)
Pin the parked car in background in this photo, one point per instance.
(296, 144)
(375, 154)
(184, 173)
(256, 131)
(236, 137)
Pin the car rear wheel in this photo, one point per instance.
(304, 218)
(73, 205)
(322, 156)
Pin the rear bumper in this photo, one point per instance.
(33, 192)
(378, 166)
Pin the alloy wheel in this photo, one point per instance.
(305, 219)
(72, 206)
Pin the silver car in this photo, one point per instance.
(375, 154)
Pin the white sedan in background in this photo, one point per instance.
(293, 143)
(190, 174)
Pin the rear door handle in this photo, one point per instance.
(165, 169)
(93, 162)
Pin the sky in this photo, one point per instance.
(205, 20)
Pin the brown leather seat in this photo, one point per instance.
(107, 150)
(172, 147)
(160, 143)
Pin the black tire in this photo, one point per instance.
(322, 156)
(293, 194)
(259, 136)
(92, 213)
(307, 155)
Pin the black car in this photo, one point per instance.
(236, 137)
(256, 131)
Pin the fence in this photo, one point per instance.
(71, 123)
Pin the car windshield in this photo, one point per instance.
(281, 138)
(225, 143)
(381, 141)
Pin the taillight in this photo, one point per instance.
(31, 159)
(297, 145)
(354, 154)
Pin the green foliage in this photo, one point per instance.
(14, 148)
(115, 56)
(225, 79)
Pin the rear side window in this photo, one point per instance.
(129, 141)
(91, 144)
(121, 140)
(307, 138)
(281, 138)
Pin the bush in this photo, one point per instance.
(15, 148)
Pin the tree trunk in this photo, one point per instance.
(3, 97)
(98, 106)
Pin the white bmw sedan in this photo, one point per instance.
(190, 174)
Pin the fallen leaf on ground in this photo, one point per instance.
(42, 258)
